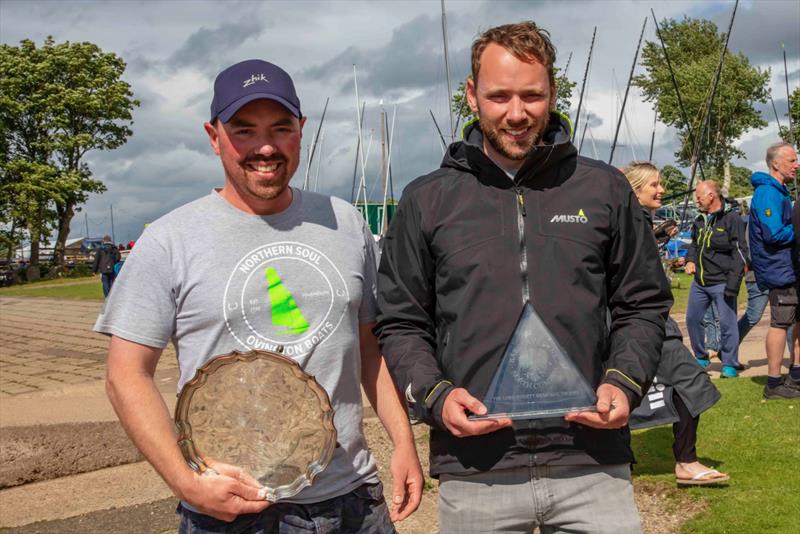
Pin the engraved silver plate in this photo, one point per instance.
(259, 411)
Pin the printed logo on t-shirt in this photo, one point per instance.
(286, 295)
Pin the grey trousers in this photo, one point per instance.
(557, 499)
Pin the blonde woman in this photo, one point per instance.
(680, 381)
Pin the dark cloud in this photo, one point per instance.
(206, 47)
(759, 29)
(412, 59)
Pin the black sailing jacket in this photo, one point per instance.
(463, 245)
(719, 249)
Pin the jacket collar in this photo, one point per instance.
(545, 165)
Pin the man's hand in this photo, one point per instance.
(407, 482)
(613, 409)
(690, 268)
(225, 495)
(454, 416)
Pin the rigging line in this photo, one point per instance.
(788, 103)
(355, 166)
(681, 107)
(390, 143)
(586, 113)
(627, 89)
(717, 76)
(363, 182)
(439, 131)
(775, 111)
(583, 85)
(569, 60)
(314, 142)
(319, 160)
(447, 72)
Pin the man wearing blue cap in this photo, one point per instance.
(205, 275)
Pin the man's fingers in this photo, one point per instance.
(413, 497)
(603, 401)
(247, 492)
(399, 495)
(462, 397)
(485, 426)
(252, 507)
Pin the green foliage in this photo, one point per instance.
(694, 46)
(564, 88)
(740, 181)
(673, 180)
(794, 111)
(57, 102)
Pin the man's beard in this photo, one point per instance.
(509, 149)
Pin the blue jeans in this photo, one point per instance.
(108, 281)
(757, 300)
(700, 298)
(711, 327)
(363, 510)
(756, 304)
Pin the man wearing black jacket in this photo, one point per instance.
(717, 258)
(105, 259)
(514, 216)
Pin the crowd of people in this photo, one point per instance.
(513, 220)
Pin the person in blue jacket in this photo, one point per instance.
(772, 244)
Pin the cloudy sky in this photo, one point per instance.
(174, 49)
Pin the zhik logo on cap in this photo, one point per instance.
(253, 79)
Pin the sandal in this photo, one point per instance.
(700, 478)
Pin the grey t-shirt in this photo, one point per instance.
(214, 279)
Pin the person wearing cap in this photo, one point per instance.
(258, 264)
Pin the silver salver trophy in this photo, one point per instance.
(259, 411)
(536, 379)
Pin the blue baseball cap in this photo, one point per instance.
(252, 80)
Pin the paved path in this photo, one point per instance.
(48, 344)
(51, 371)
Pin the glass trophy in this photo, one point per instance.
(259, 411)
(536, 379)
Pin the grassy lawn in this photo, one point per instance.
(681, 282)
(69, 288)
(755, 442)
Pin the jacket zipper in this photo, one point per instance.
(703, 236)
(523, 252)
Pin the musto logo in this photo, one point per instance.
(284, 294)
(580, 217)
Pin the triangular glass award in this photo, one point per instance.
(536, 378)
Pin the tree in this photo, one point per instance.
(58, 102)
(740, 185)
(673, 180)
(564, 87)
(694, 46)
(794, 111)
